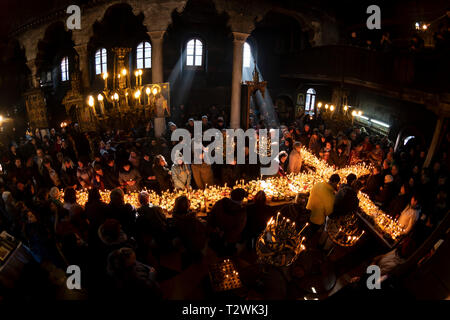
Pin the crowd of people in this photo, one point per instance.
(121, 246)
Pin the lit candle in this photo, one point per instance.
(105, 77)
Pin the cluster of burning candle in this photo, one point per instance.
(383, 221)
(276, 189)
(280, 243)
(345, 231)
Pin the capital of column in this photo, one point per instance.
(157, 35)
(81, 49)
(240, 37)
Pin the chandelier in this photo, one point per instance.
(123, 97)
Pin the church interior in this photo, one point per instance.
(138, 139)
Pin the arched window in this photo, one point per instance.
(247, 56)
(310, 100)
(144, 55)
(65, 69)
(100, 61)
(194, 53)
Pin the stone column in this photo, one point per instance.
(34, 82)
(84, 64)
(157, 38)
(434, 141)
(236, 78)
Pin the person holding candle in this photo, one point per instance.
(129, 177)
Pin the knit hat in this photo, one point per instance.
(388, 179)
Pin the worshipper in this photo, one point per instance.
(162, 173)
(376, 155)
(181, 174)
(338, 158)
(202, 172)
(305, 136)
(399, 202)
(77, 214)
(205, 123)
(69, 174)
(134, 158)
(85, 173)
(314, 144)
(281, 164)
(50, 177)
(374, 182)
(129, 178)
(110, 172)
(321, 201)
(132, 279)
(188, 228)
(387, 192)
(227, 220)
(102, 181)
(146, 171)
(121, 211)
(346, 200)
(410, 215)
(295, 159)
(95, 209)
(258, 213)
(151, 222)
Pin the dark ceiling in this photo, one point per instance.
(350, 13)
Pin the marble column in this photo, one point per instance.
(434, 141)
(84, 64)
(236, 78)
(157, 38)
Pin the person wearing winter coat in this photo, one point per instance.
(162, 173)
(181, 174)
(129, 178)
(228, 217)
(69, 174)
(202, 173)
(191, 232)
(50, 177)
(295, 159)
(146, 171)
(346, 200)
(374, 182)
(85, 174)
(387, 192)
